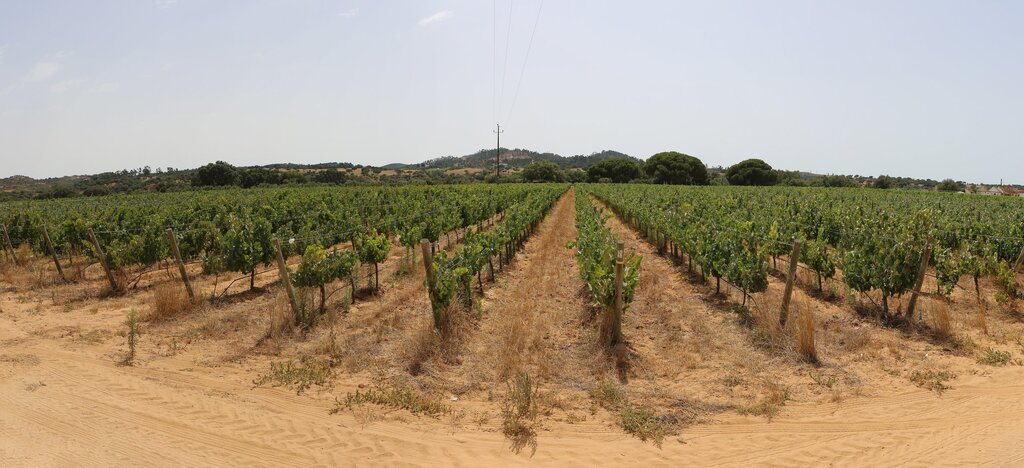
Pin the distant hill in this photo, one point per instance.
(510, 158)
(474, 166)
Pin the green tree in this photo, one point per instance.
(618, 170)
(751, 172)
(675, 168)
(574, 175)
(884, 182)
(217, 174)
(949, 185)
(542, 171)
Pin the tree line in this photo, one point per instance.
(675, 168)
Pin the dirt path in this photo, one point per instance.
(534, 317)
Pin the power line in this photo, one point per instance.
(494, 62)
(504, 69)
(515, 97)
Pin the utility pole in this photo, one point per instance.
(497, 153)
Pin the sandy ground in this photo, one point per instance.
(190, 398)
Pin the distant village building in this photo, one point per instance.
(1001, 191)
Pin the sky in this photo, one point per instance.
(931, 89)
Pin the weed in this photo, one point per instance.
(994, 357)
(823, 379)
(132, 334)
(609, 395)
(764, 339)
(301, 374)
(639, 421)
(33, 386)
(775, 398)
(394, 397)
(962, 345)
(518, 412)
(932, 380)
(732, 380)
(96, 336)
(644, 424)
(744, 315)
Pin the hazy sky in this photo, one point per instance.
(915, 88)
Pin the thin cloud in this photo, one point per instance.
(41, 71)
(164, 4)
(66, 85)
(3, 50)
(349, 13)
(435, 18)
(108, 87)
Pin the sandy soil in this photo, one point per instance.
(190, 398)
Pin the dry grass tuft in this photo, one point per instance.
(981, 320)
(169, 300)
(420, 349)
(805, 334)
(775, 396)
(282, 320)
(428, 345)
(940, 318)
(931, 379)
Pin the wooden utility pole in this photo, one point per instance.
(615, 333)
(103, 260)
(794, 259)
(53, 254)
(181, 265)
(7, 240)
(497, 153)
(920, 278)
(282, 268)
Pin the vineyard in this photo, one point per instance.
(636, 314)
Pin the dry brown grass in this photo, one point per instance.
(282, 320)
(805, 334)
(941, 323)
(981, 319)
(852, 339)
(428, 346)
(169, 300)
(520, 343)
(774, 396)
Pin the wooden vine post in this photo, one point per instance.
(181, 265)
(1020, 260)
(794, 259)
(922, 270)
(428, 267)
(615, 333)
(103, 261)
(7, 241)
(53, 254)
(282, 268)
